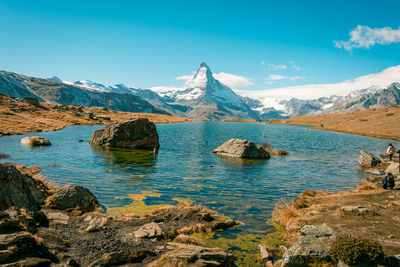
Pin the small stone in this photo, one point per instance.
(357, 211)
(35, 141)
(150, 230)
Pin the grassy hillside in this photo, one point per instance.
(380, 122)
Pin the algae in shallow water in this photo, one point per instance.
(139, 207)
(244, 247)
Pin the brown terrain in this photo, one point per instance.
(380, 221)
(20, 116)
(381, 122)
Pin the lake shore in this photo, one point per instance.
(20, 117)
(368, 212)
(380, 123)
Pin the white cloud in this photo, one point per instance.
(312, 91)
(277, 67)
(230, 80)
(277, 77)
(164, 89)
(233, 81)
(184, 77)
(263, 63)
(365, 37)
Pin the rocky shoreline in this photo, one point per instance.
(368, 214)
(42, 225)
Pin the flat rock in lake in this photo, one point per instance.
(239, 148)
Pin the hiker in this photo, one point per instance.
(390, 151)
(388, 181)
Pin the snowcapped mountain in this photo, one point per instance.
(207, 98)
(371, 97)
(52, 91)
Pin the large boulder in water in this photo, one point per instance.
(20, 189)
(367, 160)
(73, 196)
(136, 134)
(239, 148)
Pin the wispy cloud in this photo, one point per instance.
(184, 77)
(277, 67)
(365, 37)
(294, 66)
(231, 80)
(312, 91)
(277, 77)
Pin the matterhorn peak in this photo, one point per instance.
(201, 78)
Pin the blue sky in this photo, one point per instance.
(150, 43)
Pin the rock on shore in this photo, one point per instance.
(135, 134)
(238, 148)
(367, 160)
(313, 245)
(19, 189)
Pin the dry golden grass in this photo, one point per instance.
(317, 207)
(380, 122)
(19, 117)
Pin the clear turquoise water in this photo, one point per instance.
(185, 166)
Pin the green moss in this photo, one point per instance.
(353, 251)
(139, 207)
(244, 247)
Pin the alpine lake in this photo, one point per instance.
(185, 170)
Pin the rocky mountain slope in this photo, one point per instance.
(207, 98)
(49, 90)
(202, 97)
(368, 98)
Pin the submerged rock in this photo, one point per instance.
(367, 160)
(35, 141)
(20, 189)
(313, 245)
(73, 196)
(239, 148)
(135, 134)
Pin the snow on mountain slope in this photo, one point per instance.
(204, 85)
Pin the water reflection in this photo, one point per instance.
(123, 158)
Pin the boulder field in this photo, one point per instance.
(371, 164)
(45, 225)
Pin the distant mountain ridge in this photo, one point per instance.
(17, 85)
(202, 97)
